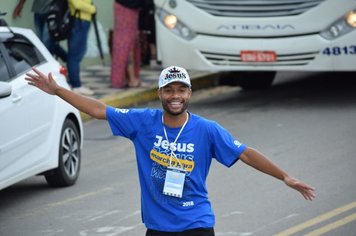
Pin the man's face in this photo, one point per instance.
(175, 98)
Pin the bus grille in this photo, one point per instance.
(299, 59)
(255, 8)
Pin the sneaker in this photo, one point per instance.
(83, 91)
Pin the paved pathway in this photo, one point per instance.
(97, 77)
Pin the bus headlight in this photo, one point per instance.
(351, 18)
(171, 22)
(341, 26)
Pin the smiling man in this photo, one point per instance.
(174, 150)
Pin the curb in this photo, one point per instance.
(129, 98)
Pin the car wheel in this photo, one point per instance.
(69, 157)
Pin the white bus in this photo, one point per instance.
(260, 36)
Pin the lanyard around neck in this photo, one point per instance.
(172, 146)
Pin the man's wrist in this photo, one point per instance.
(57, 90)
(288, 180)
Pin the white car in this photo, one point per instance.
(39, 133)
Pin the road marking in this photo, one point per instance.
(64, 202)
(105, 214)
(317, 220)
(332, 226)
(110, 230)
(79, 197)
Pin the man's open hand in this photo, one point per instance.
(43, 82)
(306, 190)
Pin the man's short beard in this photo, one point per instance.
(165, 108)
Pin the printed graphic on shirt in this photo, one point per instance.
(180, 147)
(166, 160)
(161, 157)
(183, 159)
(237, 143)
(120, 110)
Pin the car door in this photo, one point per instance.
(14, 129)
(25, 115)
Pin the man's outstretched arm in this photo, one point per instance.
(260, 162)
(90, 106)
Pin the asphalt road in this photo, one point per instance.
(306, 125)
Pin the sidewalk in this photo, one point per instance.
(97, 77)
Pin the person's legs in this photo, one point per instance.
(77, 44)
(131, 71)
(134, 64)
(43, 33)
(153, 56)
(151, 232)
(53, 46)
(119, 48)
(125, 30)
(39, 25)
(137, 55)
(151, 38)
(199, 232)
(191, 232)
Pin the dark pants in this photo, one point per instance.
(191, 232)
(43, 33)
(77, 46)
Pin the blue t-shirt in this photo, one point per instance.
(200, 141)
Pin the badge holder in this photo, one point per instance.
(174, 182)
(175, 177)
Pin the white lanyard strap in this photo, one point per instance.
(172, 146)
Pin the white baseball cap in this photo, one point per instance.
(174, 74)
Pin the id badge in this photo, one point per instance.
(174, 182)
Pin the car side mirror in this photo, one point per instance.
(5, 89)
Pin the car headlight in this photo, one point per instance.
(341, 27)
(177, 27)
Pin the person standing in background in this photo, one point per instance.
(81, 12)
(148, 32)
(40, 9)
(126, 55)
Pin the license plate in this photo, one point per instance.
(258, 56)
